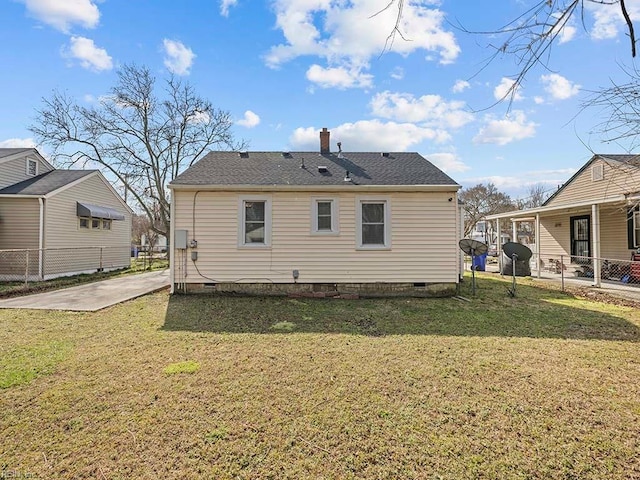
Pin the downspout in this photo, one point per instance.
(172, 242)
(41, 240)
(538, 261)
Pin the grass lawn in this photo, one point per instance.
(541, 386)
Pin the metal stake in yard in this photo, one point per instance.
(475, 249)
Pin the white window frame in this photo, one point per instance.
(106, 221)
(267, 220)
(88, 219)
(636, 228)
(99, 220)
(360, 200)
(29, 162)
(335, 224)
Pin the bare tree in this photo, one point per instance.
(483, 200)
(141, 138)
(536, 196)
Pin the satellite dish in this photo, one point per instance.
(518, 253)
(522, 252)
(473, 248)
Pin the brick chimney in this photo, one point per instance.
(324, 141)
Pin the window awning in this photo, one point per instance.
(96, 211)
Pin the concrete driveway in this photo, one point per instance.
(93, 296)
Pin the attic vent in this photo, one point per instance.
(243, 154)
(384, 154)
(597, 173)
(322, 169)
(286, 154)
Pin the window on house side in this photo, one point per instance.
(324, 216)
(106, 224)
(254, 222)
(636, 228)
(84, 222)
(95, 223)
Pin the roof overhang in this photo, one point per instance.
(97, 211)
(528, 213)
(317, 188)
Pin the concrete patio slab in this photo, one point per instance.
(93, 296)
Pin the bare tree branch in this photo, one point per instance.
(142, 140)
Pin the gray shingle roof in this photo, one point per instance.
(278, 168)
(5, 152)
(45, 183)
(633, 160)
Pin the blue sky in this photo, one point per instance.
(287, 68)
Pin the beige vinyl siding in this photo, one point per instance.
(15, 171)
(618, 179)
(423, 240)
(555, 234)
(19, 223)
(613, 233)
(62, 229)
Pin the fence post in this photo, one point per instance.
(562, 271)
(26, 271)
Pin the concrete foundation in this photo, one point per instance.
(324, 290)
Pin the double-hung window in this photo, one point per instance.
(373, 217)
(324, 216)
(254, 222)
(636, 228)
(32, 167)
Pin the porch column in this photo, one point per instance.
(595, 241)
(514, 231)
(538, 262)
(499, 245)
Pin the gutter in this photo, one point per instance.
(41, 239)
(555, 208)
(317, 188)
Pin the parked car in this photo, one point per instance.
(492, 251)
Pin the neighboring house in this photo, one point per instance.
(62, 217)
(313, 221)
(594, 214)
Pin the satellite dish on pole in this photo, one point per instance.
(519, 254)
(473, 248)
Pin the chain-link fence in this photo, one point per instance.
(610, 271)
(44, 264)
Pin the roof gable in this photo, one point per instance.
(302, 169)
(620, 174)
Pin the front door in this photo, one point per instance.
(581, 238)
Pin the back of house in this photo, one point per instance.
(274, 222)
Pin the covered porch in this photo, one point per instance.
(594, 241)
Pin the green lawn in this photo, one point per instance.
(539, 386)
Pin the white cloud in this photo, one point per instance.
(397, 73)
(338, 77)
(225, 5)
(62, 14)
(510, 129)
(559, 87)
(369, 135)
(348, 34)
(550, 178)
(460, 86)
(178, 57)
(250, 120)
(447, 162)
(18, 143)
(88, 54)
(608, 19)
(506, 89)
(538, 100)
(432, 110)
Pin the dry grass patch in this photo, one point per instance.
(540, 386)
